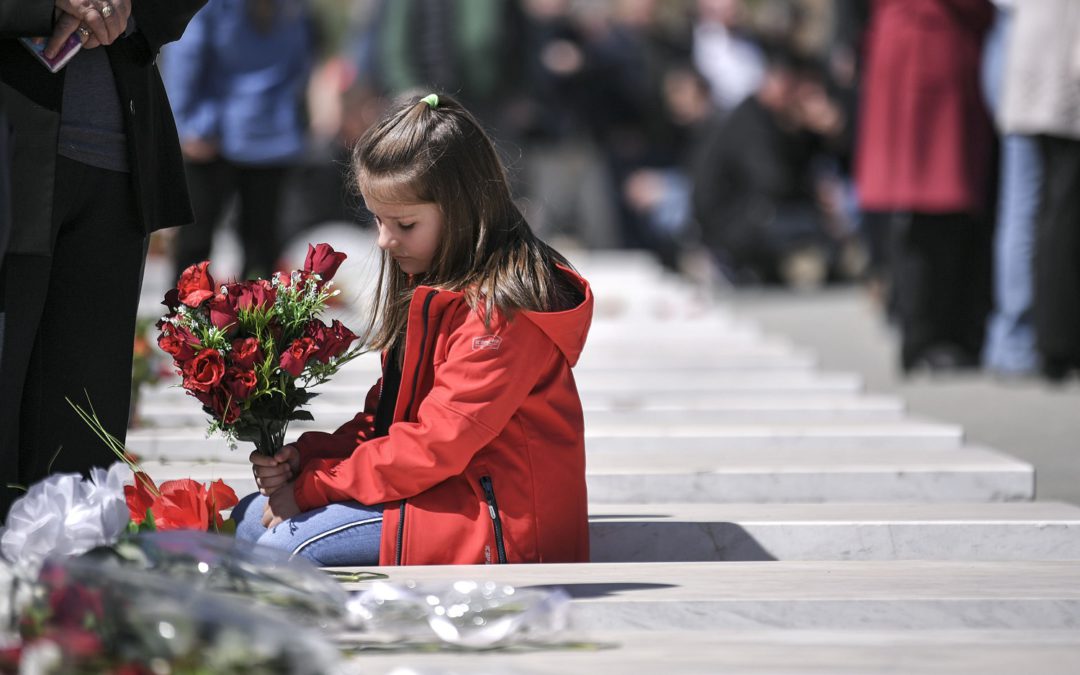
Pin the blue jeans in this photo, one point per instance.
(1010, 336)
(344, 534)
(1010, 339)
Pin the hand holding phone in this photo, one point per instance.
(67, 51)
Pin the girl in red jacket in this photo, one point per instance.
(470, 447)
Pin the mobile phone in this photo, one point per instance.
(68, 50)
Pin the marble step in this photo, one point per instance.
(192, 442)
(846, 595)
(754, 410)
(765, 475)
(776, 474)
(870, 531)
(721, 392)
(757, 651)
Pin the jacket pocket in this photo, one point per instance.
(488, 487)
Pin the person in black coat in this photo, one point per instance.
(96, 169)
(5, 184)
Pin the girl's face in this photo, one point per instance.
(410, 233)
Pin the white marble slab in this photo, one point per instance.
(765, 475)
(852, 595)
(870, 531)
(624, 395)
(757, 651)
(650, 437)
(176, 412)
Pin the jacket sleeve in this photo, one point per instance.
(475, 393)
(187, 74)
(163, 21)
(320, 444)
(26, 18)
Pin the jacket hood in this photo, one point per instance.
(568, 328)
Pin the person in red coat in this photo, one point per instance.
(470, 448)
(923, 160)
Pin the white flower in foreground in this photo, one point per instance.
(65, 514)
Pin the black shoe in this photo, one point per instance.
(944, 359)
(1055, 370)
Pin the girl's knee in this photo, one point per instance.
(248, 517)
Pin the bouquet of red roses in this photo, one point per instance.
(250, 351)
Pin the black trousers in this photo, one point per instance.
(212, 186)
(69, 325)
(943, 282)
(1057, 254)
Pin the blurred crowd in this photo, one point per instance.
(927, 148)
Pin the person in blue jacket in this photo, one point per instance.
(237, 82)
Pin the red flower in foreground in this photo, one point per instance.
(182, 504)
(323, 260)
(140, 497)
(196, 286)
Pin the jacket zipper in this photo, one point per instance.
(412, 399)
(493, 511)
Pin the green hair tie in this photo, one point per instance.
(432, 100)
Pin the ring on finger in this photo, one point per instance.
(106, 9)
(83, 32)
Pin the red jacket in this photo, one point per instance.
(485, 460)
(924, 133)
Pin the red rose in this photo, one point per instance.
(224, 405)
(172, 300)
(343, 337)
(196, 286)
(319, 334)
(296, 356)
(246, 353)
(178, 342)
(240, 383)
(323, 260)
(223, 309)
(204, 371)
(260, 295)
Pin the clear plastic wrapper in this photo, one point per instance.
(91, 615)
(219, 564)
(463, 614)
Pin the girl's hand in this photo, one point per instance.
(272, 473)
(280, 507)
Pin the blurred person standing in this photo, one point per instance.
(96, 168)
(1010, 337)
(629, 53)
(763, 210)
(566, 182)
(923, 154)
(474, 48)
(1041, 98)
(732, 62)
(237, 83)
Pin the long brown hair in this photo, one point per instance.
(440, 154)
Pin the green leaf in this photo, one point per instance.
(301, 415)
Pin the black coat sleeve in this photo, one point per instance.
(162, 21)
(26, 18)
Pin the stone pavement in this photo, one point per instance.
(749, 513)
